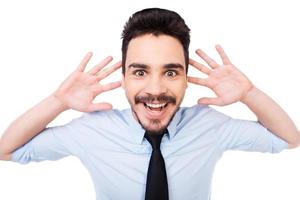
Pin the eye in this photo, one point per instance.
(139, 72)
(171, 73)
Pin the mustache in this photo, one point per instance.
(151, 98)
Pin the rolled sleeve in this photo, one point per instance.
(52, 143)
(246, 135)
(45, 146)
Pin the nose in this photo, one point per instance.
(155, 86)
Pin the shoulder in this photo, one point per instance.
(203, 113)
(106, 116)
(94, 124)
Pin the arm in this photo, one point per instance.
(76, 92)
(230, 85)
(29, 124)
(272, 116)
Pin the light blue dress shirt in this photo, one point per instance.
(111, 145)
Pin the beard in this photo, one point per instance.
(157, 123)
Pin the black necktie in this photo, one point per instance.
(157, 184)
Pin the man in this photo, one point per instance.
(114, 145)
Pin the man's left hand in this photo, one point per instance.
(228, 83)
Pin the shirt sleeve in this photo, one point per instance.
(52, 143)
(245, 135)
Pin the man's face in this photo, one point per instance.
(155, 79)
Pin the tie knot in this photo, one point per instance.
(154, 140)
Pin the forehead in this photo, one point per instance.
(154, 50)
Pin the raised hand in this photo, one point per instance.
(80, 89)
(226, 81)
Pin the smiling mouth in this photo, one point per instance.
(155, 107)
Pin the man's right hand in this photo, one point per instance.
(80, 89)
(76, 92)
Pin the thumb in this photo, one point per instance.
(210, 101)
(99, 106)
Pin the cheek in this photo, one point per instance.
(132, 88)
(178, 88)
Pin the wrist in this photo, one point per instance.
(58, 103)
(250, 95)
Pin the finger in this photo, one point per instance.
(211, 101)
(107, 87)
(213, 64)
(99, 66)
(198, 81)
(104, 73)
(111, 86)
(99, 106)
(223, 55)
(84, 62)
(199, 66)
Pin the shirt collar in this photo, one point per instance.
(138, 132)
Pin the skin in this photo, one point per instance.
(79, 90)
(155, 66)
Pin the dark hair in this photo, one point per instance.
(156, 21)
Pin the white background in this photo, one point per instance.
(41, 42)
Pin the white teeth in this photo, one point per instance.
(156, 105)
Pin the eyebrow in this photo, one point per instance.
(166, 66)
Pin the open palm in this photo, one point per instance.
(226, 81)
(80, 89)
